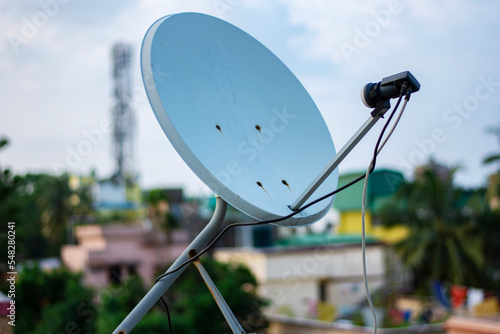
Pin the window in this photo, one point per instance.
(115, 274)
(132, 270)
(323, 290)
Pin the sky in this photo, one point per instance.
(56, 85)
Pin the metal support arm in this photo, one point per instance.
(337, 159)
(226, 311)
(162, 285)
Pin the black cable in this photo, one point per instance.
(168, 314)
(276, 220)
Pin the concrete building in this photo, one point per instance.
(319, 276)
(382, 185)
(324, 270)
(109, 253)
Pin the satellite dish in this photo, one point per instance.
(237, 116)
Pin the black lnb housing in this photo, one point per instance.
(388, 88)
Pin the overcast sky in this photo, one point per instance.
(56, 87)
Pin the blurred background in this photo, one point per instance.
(101, 203)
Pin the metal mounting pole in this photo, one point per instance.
(370, 122)
(163, 284)
(226, 311)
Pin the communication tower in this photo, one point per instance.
(123, 115)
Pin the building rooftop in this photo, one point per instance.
(382, 184)
(324, 239)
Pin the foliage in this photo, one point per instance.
(53, 301)
(40, 205)
(159, 211)
(154, 322)
(444, 242)
(194, 310)
(494, 157)
(192, 307)
(117, 301)
(488, 225)
(12, 208)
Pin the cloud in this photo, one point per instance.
(327, 25)
(59, 83)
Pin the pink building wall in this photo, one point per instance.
(105, 252)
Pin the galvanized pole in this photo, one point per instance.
(162, 285)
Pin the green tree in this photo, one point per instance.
(40, 205)
(488, 225)
(159, 211)
(493, 192)
(8, 186)
(192, 307)
(51, 195)
(194, 310)
(53, 301)
(118, 300)
(443, 242)
(494, 157)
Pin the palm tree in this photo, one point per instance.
(495, 157)
(494, 179)
(159, 212)
(52, 194)
(443, 243)
(51, 204)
